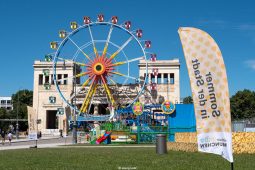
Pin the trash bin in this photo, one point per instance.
(161, 144)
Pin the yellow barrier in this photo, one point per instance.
(243, 142)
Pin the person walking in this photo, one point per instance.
(10, 137)
(3, 137)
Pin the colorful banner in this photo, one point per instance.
(168, 107)
(137, 108)
(209, 86)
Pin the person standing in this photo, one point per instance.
(3, 137)
(10, 137)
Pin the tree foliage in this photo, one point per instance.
(20, 101)
(243, 105)
(187, 100)
(4, 114)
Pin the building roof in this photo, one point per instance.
(173, 62)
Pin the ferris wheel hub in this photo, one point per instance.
(100, 66)
(99, 69)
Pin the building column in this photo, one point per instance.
(168, 78)
(50, 76)
(43, 80)
(156, 79)
(162, 78)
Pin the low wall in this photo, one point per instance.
(243, 142)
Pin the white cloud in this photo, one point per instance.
(250, 63)
(246, 27)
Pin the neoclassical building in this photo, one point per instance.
(50, 113)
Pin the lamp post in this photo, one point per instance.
(74, 111)
(17, 116)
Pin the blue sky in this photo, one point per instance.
(28, 26)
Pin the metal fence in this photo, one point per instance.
(243, 126)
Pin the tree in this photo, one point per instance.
(21, 100)
(243, 105)
(4, 114)
(187, 100)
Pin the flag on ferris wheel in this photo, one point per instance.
(208, 80)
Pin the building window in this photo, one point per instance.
(172, 78)
(65, 80)
(59, 78)
(9, 102)
(47, 79)
(3, 101)
(40, 79)
(152, 78)
(165, 81)
(8, 108)
(159, 79)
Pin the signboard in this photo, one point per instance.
(209, 85)
(168, 107)
(32, 136)
(60, 111)
(52, 99)
(137, 108)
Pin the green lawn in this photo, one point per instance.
(113, 158)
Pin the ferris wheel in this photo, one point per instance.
(107, 56)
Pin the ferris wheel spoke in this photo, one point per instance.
(116, 85)
(108, 94)
(121, 48)
(121, 93)
(86, 82)
(78, 63)
(82, 87)
(80, 49)
(107, 41)
(107, 91)
(81, 74)
(128, 61)
(87, 99)
(113, 82)
(93, 42)
(127, 76)
(90, 97)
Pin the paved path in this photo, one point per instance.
(56, 142)
(41, 143)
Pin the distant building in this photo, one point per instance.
(166, 78)
(6, 102)
(46, 99)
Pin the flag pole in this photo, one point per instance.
(232, 165)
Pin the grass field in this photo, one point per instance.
(117, 158)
